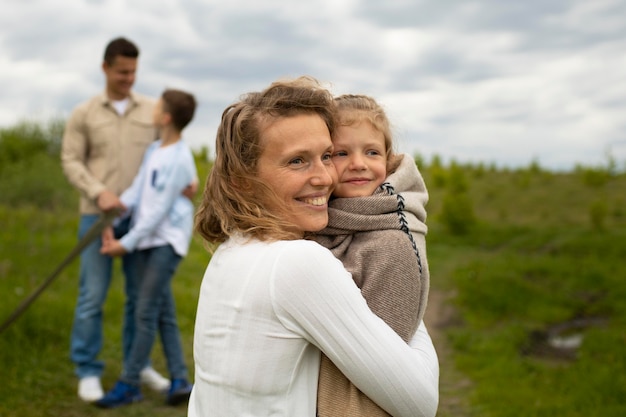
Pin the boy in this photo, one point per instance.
(160, 233)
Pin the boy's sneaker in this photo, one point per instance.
(153, 379)
(121, 394)
(179, 391)
(90, 389)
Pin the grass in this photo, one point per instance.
(535, 257)
(37, 374)
(540, 248)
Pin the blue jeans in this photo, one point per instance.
(155, 311)
(95, 279)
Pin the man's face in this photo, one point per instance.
(120, 76)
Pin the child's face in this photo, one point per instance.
(157, 114)
(360, 158)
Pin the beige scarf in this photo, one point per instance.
(381, 240)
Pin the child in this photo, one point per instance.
(376, 228)
(161, 229)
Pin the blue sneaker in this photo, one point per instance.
(121, 394)
(179, 391)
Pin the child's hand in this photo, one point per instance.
(112, 247)
(107, 235)
(191, 190)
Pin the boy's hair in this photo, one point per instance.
(234, 199)
(181, 107)
(120, 47)
(355, 108)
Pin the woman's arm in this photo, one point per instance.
(422, 341)
(315, 297)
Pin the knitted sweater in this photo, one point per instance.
(381, 241)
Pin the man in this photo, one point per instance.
(103, 145)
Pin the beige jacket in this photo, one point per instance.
(381, 241)
(102, 150)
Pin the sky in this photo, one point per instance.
(499, 82)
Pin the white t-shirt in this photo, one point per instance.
(162, 214)
(120, 105)
(265, 310)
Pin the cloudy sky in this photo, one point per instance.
(494, 81)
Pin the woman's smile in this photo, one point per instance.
(296, 163)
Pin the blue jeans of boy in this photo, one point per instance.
(95, 279)
(155, 311)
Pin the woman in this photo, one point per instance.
(270, 300)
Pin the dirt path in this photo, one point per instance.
(453, 386)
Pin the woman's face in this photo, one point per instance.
(296, 164)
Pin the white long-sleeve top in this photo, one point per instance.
(161, 213)
(265, 311)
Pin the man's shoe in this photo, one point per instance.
(153, 379)
(121, 394)
(179, 392)
(90, 389)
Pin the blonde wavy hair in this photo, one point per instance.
(235, 200)
(353, 109)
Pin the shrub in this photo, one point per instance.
(420, 161)
(30, 167)
(457, 213)
(438, 173)
(595, 177)
(457, 181)
(598, 213)
(28, 139)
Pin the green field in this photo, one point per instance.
(517, 253)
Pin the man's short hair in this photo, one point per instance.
(120, 47)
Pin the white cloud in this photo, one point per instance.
(480, 81)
